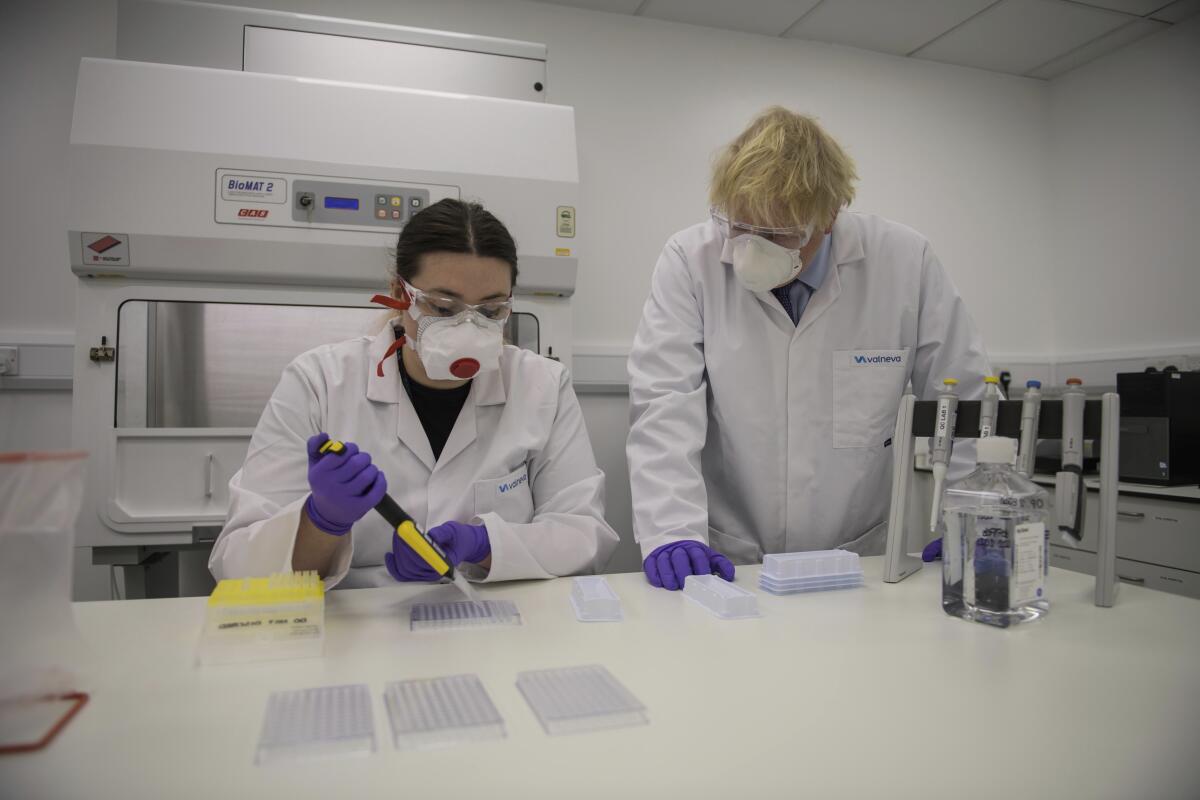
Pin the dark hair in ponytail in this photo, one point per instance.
(453, 226)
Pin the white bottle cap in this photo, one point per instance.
(996, 450)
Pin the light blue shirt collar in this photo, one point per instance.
(813, 274)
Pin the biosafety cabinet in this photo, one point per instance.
(223, 221)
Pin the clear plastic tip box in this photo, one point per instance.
(259, 619)
(812, 571)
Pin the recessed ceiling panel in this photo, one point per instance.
(885, 26)
(1017, 36)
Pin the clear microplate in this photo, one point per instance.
(580, 699)
(812, 564)
(437, 712)
(463, 614)
(720, 596)
(594, 600)
(319, 722)
(811, 586)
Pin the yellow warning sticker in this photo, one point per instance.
(562, 251)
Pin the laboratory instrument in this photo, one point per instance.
(261, 619)
(408, 532)
(1031, 406)
(941, 446)
(995, 547)
(580, 699)
(1070, 495)
(463, 614)
(203, 242)
(1160, 427)
(594, 600)
(438, 712)
(720, 597)
(1101, 425)
(988, 406)
(314, 723)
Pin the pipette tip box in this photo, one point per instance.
(317, 723)
(812, 571)
(580, 699)
(463, 614)
(720, 597)
(260, 619)
(439, 712)
(594, 600)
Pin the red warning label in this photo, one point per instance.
(108, 242)
(101, 249)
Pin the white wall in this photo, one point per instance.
(1126, 178)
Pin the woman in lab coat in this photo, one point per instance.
(483, 444)
(772, 354)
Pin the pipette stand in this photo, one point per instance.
(1101, 423)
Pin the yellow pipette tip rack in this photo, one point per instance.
(260, 619)
(282, 587)
(991, 379)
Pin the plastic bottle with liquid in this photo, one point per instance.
(995, 546)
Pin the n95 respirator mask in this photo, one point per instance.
(460, 347)
(759, 264)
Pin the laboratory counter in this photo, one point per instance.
(865, 692)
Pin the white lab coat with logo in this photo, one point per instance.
(758, 436)
(518, 460)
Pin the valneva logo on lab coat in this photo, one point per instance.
(513, 484)
(864, 359)
(263, 188)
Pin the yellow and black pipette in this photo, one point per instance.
(410, 534)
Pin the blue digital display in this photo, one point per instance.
(348, 203)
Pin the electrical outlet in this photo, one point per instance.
(9, 363)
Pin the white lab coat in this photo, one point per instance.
(518, 460)
(758, 436)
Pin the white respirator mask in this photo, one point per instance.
(460, 347)
(758, 262)
(761, 265)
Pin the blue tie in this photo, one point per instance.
(794, 298)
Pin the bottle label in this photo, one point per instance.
(1029, 566)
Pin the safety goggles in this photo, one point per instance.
(436, 304)
(792, 238)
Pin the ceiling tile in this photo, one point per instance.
(770, 17)
(1107, 43)
(1016, 36)
(615, 6)
(1178, 11)
(885, 25)
(1137, 7)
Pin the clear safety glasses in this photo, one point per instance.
(436, 304)
(792, 238)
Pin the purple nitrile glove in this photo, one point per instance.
(932, 551)
(345, 486)
(458, 540)
(668, 565)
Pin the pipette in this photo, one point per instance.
(941, 446)
(1031, 412)
(406, 528)
(988, 406)
(1069, 493)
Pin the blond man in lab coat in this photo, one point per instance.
(773, 350)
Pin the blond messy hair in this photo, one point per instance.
(783, 170)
